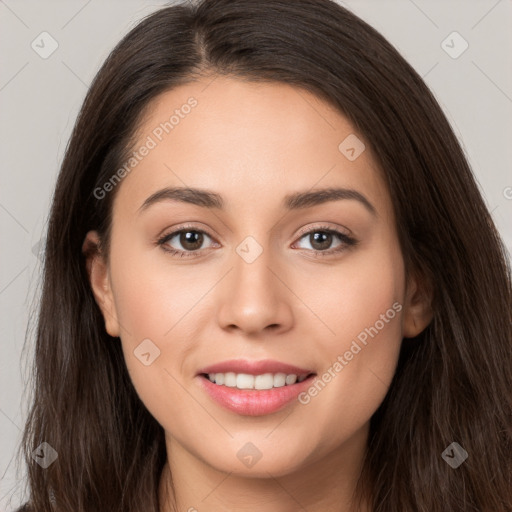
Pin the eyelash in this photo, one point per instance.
(348, 241)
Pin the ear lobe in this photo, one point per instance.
(99, 279)
(418, 311)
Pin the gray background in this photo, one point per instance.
(40, 98)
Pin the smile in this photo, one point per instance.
(240, 393)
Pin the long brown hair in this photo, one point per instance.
(453, 382)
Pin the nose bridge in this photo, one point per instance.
(254, 299)
(251, 265)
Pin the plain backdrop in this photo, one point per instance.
(40, 98)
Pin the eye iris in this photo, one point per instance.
(191, 237)
(321, 237)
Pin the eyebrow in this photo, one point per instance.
(294, 201)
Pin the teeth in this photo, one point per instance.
(265, 381)
(291, 379)
(229, 379)
(246, 381)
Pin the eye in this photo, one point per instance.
(321, 239)
(190, 239)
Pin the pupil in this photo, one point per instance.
(191, 237)
(320, 238)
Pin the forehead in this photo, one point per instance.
(252, 142)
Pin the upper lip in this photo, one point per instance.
(254, 367)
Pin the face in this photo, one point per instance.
(272, 275)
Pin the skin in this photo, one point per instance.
(254, 144)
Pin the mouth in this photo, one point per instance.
(254, 387)
(255, 395)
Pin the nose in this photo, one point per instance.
(254, 296)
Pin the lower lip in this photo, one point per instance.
(253, 402)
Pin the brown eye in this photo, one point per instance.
(321, 240)
(191, 240)
(185, 242)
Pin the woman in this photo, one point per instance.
(368, 370)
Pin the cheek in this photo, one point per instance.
(151, 293)
(157, 308)
(363, 311)
(352, 296)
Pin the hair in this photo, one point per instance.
(453, 382)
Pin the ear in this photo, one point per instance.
(99, 278)
(418, 311)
